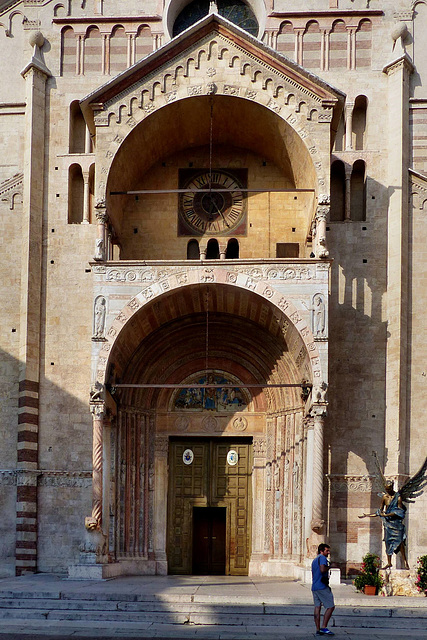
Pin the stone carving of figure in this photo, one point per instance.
(319, 319)
(99, 317)
(99, 249)
(268, 473)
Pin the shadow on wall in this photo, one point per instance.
(357, 374)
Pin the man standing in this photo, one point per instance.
(322, 594)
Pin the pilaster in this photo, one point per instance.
(35, 75)
(398, 73)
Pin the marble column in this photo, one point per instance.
(101, 240)
(321, 217)
(97, 464)
(161, 447)
(259, 486)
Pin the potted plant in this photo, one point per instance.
(421, 581)
(369, 581)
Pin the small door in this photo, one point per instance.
(209, 537)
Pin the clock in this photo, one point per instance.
(214, 204)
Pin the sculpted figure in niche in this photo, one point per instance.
(268, 474)
(319, 316)
(99, 317)
(99, 249)
(392, 510)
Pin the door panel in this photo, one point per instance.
(209, 539)
(198, 493)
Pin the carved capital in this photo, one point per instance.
(102, 216)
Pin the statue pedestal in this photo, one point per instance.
(400, 582)
(94, 571)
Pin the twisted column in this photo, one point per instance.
(97, 451)
(317, 520)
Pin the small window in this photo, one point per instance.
(193, 251)
(212, 251)
(287, 250)
(232, 252)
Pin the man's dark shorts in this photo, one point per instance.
(323, 597)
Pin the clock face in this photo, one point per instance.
(213, 205)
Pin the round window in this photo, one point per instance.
(236, 11)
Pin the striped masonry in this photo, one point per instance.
(26, 498)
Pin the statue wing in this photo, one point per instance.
(380, 473)
(415, 485)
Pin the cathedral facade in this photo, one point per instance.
(212, 222)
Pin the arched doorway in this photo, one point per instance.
(221, 461)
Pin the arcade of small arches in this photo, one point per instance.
(110, 49)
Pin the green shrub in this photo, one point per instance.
(370, 573)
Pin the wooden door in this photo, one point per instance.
(209, 540)
(209, 498)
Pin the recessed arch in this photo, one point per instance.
(230, 293)
(185, 124)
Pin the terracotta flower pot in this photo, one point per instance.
(369, 590)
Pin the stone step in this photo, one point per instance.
(203, 614)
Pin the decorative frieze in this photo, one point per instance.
(353, 483)
(24, 478)
(297, 272)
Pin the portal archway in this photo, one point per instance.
(183, 338)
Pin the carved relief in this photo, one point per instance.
(240, 424)
(182, 423)
(99, 317)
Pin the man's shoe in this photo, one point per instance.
(319, 633)
(326, 632)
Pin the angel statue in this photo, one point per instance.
(392, 510)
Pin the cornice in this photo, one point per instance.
(322, 14)
(106, 19)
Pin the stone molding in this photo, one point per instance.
(353, 483)
(21, 477)
(144, 274)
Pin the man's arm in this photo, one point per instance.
(324, 567)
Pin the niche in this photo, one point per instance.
(337, 211)
(359, 122)
(212, 250)
(77, 134)
(193, 251)
(358, 192)
(75, 194)
(232, 252)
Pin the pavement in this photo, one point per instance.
(51, 607)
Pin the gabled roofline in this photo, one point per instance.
(212, 22)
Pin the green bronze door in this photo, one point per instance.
(212, 475)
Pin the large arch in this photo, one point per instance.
(122, 329)
(200, 325)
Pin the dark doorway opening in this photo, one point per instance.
(209, 538)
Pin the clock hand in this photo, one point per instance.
(221, 214)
